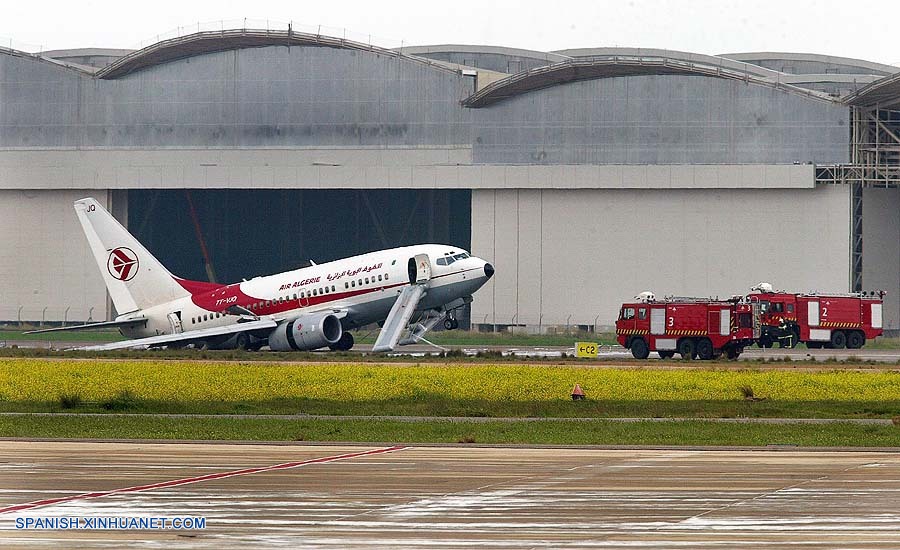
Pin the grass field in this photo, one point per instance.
(13, 336)
(509, 391)
(560, 433)
(43, 380)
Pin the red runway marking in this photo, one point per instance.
(187, 480)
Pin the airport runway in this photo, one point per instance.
(617, 352)
(606, 352)
(440, 497)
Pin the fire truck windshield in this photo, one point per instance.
(627, 313)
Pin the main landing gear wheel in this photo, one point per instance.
(451, 324)
(242, 341)
(344, 344)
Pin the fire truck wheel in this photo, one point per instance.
(666, 354)
(855, 340)
(704, 349)
(732, 353)
(639, 349)
(765, 341)
(838, 340)
(686, 349)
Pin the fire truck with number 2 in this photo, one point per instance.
(819, 320)
(703, 328)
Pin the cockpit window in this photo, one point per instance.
(462, 256)
(446, 260)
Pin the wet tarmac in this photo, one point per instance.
(606, 352)
(304, 496)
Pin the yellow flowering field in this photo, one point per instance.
(47, 380)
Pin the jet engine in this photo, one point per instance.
(306, 332)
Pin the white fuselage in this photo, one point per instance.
(364, 286)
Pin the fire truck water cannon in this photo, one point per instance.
(762, 287)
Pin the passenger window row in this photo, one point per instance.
(206, 317)
(365, 281)
(305, 294)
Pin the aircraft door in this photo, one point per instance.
(175, 322)
(419, 268)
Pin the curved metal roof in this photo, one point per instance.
(672, 54)
(876, 68)
(589, 68)
(75, 67)
(882, 93)
(217, 41)
(86, 52)
(549, 57)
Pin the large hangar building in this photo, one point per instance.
(585, 176)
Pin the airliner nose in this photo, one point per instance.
(488, 270)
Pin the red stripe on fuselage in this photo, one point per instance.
(221, 298)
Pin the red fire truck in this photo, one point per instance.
(819, 320)
(693, 327)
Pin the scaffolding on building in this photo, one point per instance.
(874, 157)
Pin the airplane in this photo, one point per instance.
(305, 309)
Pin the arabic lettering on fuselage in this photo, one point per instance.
(354, 272)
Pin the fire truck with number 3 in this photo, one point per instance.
(703, 328)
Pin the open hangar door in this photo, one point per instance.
(231, 234)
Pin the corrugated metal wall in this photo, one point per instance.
(572, 256)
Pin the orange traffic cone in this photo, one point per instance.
(577, 393)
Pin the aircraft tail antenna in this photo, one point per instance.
(134, 277)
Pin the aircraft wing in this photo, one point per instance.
(185, 337)
(398, 318)
(104, 324)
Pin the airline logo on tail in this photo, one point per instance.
(122, 263)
